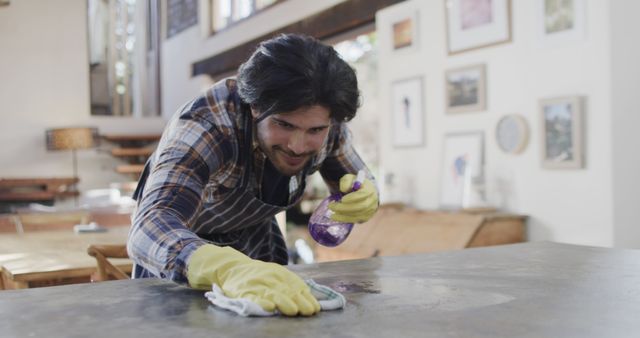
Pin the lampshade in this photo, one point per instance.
(71, 138)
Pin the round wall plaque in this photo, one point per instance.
(512, 134)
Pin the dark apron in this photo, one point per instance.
(242, 220)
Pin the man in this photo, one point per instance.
(237, 155)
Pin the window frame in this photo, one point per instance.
(232, 8)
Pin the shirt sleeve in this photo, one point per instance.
(160, 239)
(341, 159)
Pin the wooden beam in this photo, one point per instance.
(338, 19)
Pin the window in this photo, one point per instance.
(224, 13)
(124, 57)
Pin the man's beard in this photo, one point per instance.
(305, 157)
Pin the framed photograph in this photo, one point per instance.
(466, 89)
(403, 33)
(402, 28)
(474, 24)
(407, 111)
(561, 121)
(463, 161)
(561, 21)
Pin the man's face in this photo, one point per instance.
(290, 139)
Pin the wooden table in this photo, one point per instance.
(519, 290)
(53, 257)
(37, 189)
(18, 192)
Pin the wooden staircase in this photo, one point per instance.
(134, 150)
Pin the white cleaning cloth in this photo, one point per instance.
(326, 296)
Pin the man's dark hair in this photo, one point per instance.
(292, 71)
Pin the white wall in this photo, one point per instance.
(564, 205)
(44, 83)
(625, 51)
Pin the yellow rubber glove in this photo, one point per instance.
(357, 206)
(269, 285)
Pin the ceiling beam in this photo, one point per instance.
(335, 20)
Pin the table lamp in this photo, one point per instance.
(72, 139)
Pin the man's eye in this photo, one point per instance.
(316, 130)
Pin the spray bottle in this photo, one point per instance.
(322, 228)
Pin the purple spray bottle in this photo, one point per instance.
(322, 228)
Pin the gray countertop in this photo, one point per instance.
(521, 290)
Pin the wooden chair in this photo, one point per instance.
(106, 270)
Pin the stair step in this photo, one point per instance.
(123, 152)
(132, 148)
(130, 169)
(131, 138)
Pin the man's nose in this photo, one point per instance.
(297, 143)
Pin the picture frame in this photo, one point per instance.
(473, 24)
(466, 89)
(403, 30)
(407, 111)
(560, 22)
(404, 33)
(462, 163)
(561, 127)
(179, 16)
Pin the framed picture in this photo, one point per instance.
(473, 24)
(403, 28)
(403, 33)
(463, 160)
(561, 121)
(466, 89)
(180, 15)
(407, 112)
(561, 21)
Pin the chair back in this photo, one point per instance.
(106, 270)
